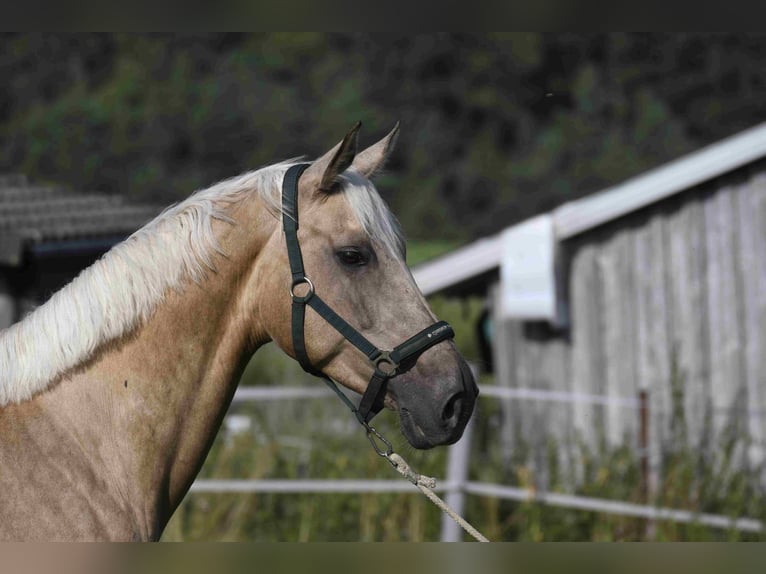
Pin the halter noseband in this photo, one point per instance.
(387, 364)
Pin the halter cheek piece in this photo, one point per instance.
(386, 364)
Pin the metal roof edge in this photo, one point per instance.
(461, 264)
(577, 216)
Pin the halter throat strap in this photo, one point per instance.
(386, 364)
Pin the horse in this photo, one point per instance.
(112, 392)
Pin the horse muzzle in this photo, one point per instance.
(439, 417)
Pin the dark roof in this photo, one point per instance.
(33, 216)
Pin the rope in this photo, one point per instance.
(426, 484)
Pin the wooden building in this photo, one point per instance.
(48, 235)
(657, 284)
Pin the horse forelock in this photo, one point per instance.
(373, 214)
(118, 292)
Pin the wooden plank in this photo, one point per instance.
(535, 414)
(515, 408)
(619, 376)
(587, 375)
(523, 370)
(560, 416)
(645, 327)
(687, 280)
(547, 421)
(641, 293)
(751, 204)
(725, 345)
(630, 384)
(504, 349)
(660, 368)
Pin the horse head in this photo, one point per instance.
(353, 257)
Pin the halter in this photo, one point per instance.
(386, 364)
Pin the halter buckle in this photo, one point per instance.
(385, 364)
(308, 295)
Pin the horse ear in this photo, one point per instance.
(371, 160)
(327, 169)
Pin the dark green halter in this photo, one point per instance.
(387, 364)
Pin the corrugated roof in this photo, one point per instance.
(589, 212)
(31, 214)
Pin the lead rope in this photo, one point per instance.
(425, 484)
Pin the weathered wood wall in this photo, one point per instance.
(671, 299)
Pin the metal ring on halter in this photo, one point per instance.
(307, 296)
(389, 365)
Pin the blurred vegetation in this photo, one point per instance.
(497, 127)
(319, 439)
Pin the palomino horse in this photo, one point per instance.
(113, 391)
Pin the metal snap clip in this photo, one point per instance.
(386, 450)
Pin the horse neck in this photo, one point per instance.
(160, 394)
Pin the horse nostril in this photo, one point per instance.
(453, 404)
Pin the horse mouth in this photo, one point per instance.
(413, 432)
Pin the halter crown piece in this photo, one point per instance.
(386, 364)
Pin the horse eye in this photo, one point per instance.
(352, 257)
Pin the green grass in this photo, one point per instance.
(316, 439)
(419, 251)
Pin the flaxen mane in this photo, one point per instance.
(122, 289)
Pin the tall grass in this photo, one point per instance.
(319, 439)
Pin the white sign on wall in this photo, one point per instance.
(527, 271)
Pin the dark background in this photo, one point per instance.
(495, 127)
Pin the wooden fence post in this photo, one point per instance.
(643, 444)
(647, 496)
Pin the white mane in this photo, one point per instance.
(121, 290)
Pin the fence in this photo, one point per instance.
(456, 485)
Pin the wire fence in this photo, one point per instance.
(456, 485)
(602, 400)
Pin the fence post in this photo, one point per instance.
(458, 458)
(646, 486)
(643, 444)
(457, 475)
